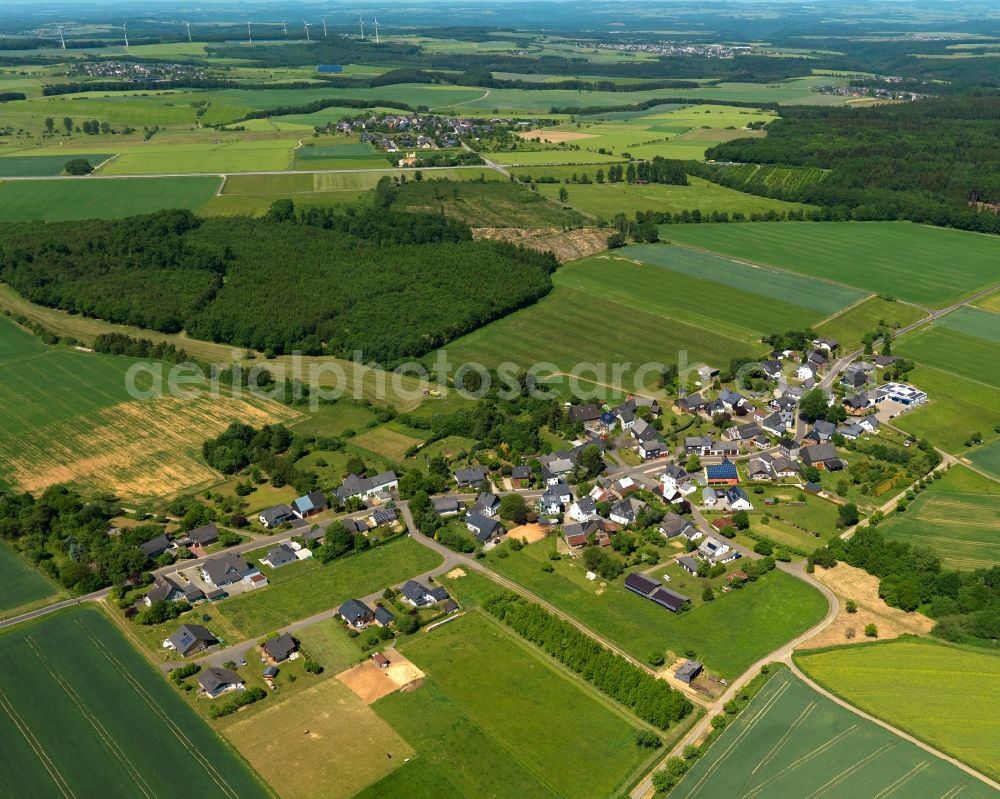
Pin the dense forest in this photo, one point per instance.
(928, 161)
(391, 284)
(652, 700)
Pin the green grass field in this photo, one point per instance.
(21, 166)
(74, 697)
(777, 287)
(228, 155)
(956, 517)
(963, 343)
(791, 741)
(944, 695)
(608, 199)
(57, 200)
(727, 634)
(930, 266)
(496, 718)
(653, 289)
(303, 589)
(19, 583)
(987, 458)
(569, 327)
(957, 408)
(849, 326)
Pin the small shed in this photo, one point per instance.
(380, 660)
(688, 670)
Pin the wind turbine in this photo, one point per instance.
(62, 41)
(307, 30)
(361, 22)
(376, 30)
(284, 27)
(249, 34)
(324, 26)
(188, 24)
(125, 31)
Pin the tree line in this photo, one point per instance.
(652, 700)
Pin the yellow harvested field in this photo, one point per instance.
(138, 449)
(848, 582)
(554, 136)
(322, 743)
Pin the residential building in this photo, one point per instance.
(471, 477)
(279, 556)
(309, 505)
(189, 639)
(280, 648)
(367, 487)
(737, 499)
(483, 527)
(226, 569)
(724, 473)
(203, 536)
(356, 613)
(214, 682)
(276, 516)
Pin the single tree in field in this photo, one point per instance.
(78, 166)
(68, 124)
(871, 631)
(50, 124)
(563, 195)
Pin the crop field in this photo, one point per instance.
(728, 634)
(944, 695)
(87, 198)
(775, 285)
(233, 155)
(344, 751)
(92, 433)
(650, 288)
(792, 741)
(963, 343)
(19, 583)
(608, 199)
(987, 458)
(498, 204)
(960, 528)
(20, 166)
(542, 157)
(930, 266)
(957, 408)
(990, 302)
(849, 326)
(302, 589)
(477, 737)
(570, 327)
(74, 696)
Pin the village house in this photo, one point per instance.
(583, 509)
(280, 648)
(626, 510)
(214, 682)
(356, 613)
(484, 528)
(276, 516)
(471, 477)
(487, 504)
(280, 556)
(673, 525)
(737, 499)
(203, 536)
(226, 569)
(355, 486)
(309, 505)
(724, 473)
(155, 546)
(189, 639)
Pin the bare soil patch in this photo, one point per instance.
(529, 533)
(455, 573)
(848, 582)
(554, 136)
(370, 683)
(566, 245)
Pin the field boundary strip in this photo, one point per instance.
(851, 770)
(36, 746)
(164, 716)
(100, 729)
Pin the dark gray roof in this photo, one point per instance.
(688, 563)
(384, 615)
(439, 593)
(355, 485)
(470, 475)
(355, 610)
(520, 472)
(280, 647)
(445, 504)
(277, 515)
(640, 583)
(228, 567)
(205, 535)
(584, 413)
(187, 635)
(668, 599)
(688, 670)
(484, 527)
(414, 591)
(211, 679)
(281, 556)
(155, 546)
